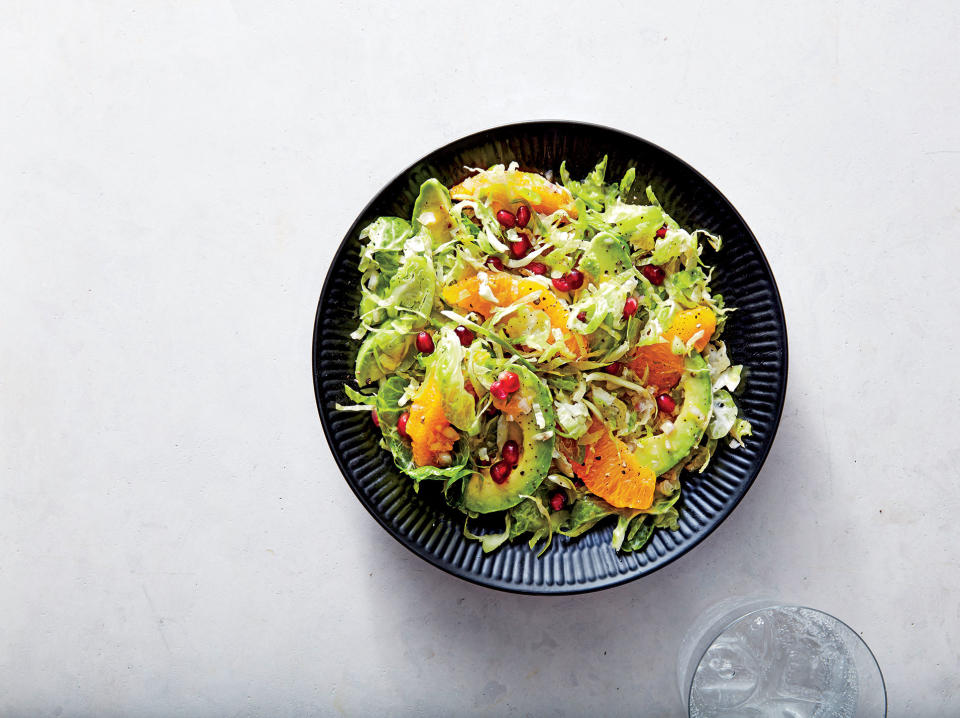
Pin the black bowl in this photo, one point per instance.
(755, 335)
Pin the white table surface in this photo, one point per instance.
(175, 539)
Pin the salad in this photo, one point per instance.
(548, 353)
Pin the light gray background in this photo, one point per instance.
(175, 539)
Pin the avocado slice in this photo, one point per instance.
(433, 211)
(663, 451)
(481, 494)
(606, 256)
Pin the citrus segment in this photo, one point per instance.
(659, 364)
(508, 288)
(612, 472)
(690, 321)
(505, 190)
(515, 405)
(430, 433)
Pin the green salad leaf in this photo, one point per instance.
(591, 190)
(384, 352)
(447, 367)
(724, 415)
(383, 244)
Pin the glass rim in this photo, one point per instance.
(732, 622)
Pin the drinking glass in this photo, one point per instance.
(758, 658)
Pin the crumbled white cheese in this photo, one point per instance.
(573, 417)
(541, 421)
(484, 289)
(603, 397)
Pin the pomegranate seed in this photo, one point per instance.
(500, 471)
(616, 368)
(465, 336)
(510, 381)
(582, 316)
(557, 500)
(498, 391)
(662, 232)
(506, 218)
(402, 425)
(574, 278)
(630, 306)
(537, 267)
(653, 273)
(376, 418)
(511, 452)
(425, 343)
(523, 215)
(520, 248)
(561, 284)
(495, 263)
(666, 403)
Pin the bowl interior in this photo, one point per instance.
(755, 336)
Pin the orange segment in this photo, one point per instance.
(612, 472)
(505, 190)
(430, 432)
(508, 288)
(663, 368)
(690, 321)
(516, 405)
